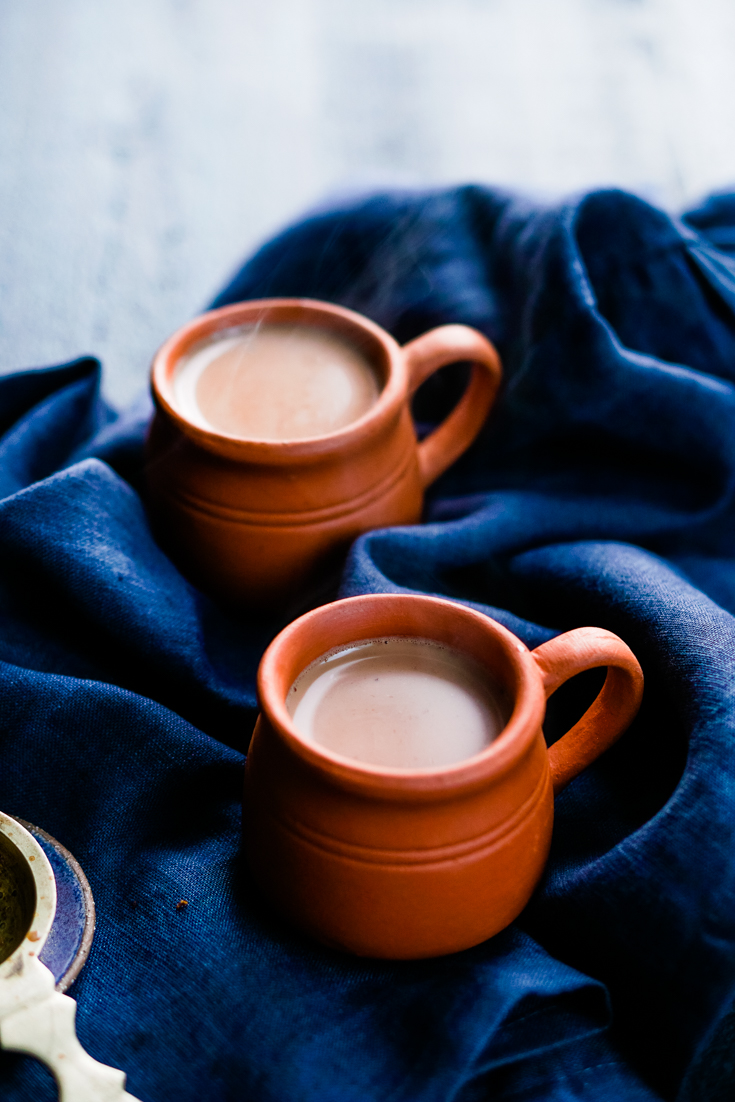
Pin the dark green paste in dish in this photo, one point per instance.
(16, 893)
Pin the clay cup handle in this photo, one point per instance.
(611, 713)
(445, 345)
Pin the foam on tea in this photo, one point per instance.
(275, 382)
(398, 702)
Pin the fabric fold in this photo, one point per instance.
(599, 492)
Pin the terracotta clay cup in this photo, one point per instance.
(402, 864)
(253, 520)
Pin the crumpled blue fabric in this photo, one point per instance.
(600, 492)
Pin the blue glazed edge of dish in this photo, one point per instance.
(70, 938)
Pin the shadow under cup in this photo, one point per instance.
(391, 862)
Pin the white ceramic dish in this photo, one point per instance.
(35, 1018)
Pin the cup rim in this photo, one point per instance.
(494, 761)
(44, 883)
(371, 422)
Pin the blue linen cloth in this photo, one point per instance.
(600, 492)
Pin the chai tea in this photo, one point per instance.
(275, 382)
(397, 702)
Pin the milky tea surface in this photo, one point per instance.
(398, 702)
(275, 382)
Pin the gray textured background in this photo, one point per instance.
(147, 146)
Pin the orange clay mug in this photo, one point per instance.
(409, 863)
(254, 520)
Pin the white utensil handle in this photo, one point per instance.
(44, 1028)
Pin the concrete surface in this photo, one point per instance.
(147, 146)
